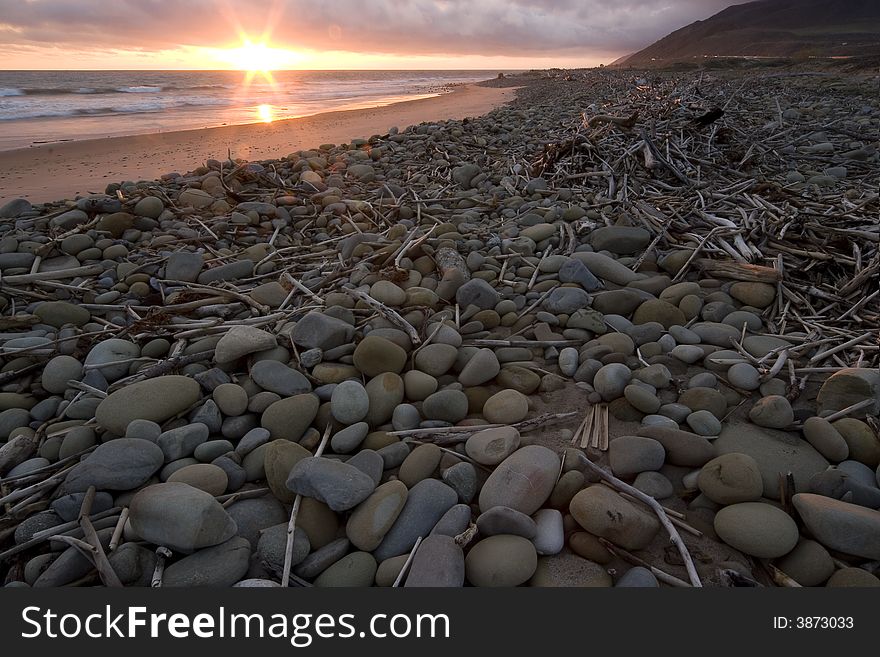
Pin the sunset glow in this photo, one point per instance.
(254, 57)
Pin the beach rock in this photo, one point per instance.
(279, 378)
(179, 517)
(182, 442)
(108, 355)
(682, 447)
(242, 340)
(808, 564)
(523, 481)
(731, 478)
(371, 520)
(492, 446)
(436, 359)
(59, 313)
(703, 423)
(774, 452)
(662, 312)
(462, 478)
(319, 331)
(822, 435)
(744, 376)
(861, 441)
(482, 367)
(602, 512)
(504, 520)
(339, 485)
(852, 577)
(156, 399)
(446, 405)
(850, 386)
(375, 355)
(58, 372)
(289, 418)
(641, 398)
(218, 566)
(622, 240)
(477, 292)
(654, 484)
(840, 526)
(637, 577)
(611, 380)
(575, 271)
(349, 402)
(439, 562)
(426, 503)
(501, 560)
(184, 266)
(272, 548)
(757, 529)
(204, 476)
(550, 536)
(357, 569)
(630, 455)
(566, 300)
(419, 464)
(773, 411)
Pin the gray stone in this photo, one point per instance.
(317, 330)
(477, 292)
(523, 481)
(240, 341)
(501, 561)
(504, 520)
(566, 300)
(182, 442)
(637, 577)
(184, 266)
(630, 455)
(279, 378)
(757, 529)
(218, 566)
(121, 464)
(428, 500)
(155, 399)
(339, 485)
(349, 402)
(439, 562)
(841, 526)
(575, 271)
(611, 380)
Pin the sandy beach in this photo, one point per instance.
(53, 171)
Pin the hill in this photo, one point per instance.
(773, 28)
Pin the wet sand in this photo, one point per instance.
(53, 171)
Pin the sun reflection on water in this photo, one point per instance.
(265, 113)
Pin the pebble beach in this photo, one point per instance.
(620, 331)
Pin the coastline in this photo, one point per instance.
(50, 172)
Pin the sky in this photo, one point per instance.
(334, 34)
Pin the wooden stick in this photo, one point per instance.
(388, 313)
(406, 564)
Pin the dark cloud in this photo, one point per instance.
(422, 27)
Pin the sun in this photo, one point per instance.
(255, 57)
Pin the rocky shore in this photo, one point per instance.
(620, 332)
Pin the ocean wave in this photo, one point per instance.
(6, 91)
(43, 112)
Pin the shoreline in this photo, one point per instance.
(49, 172)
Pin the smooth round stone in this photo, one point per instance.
(121, 464)
(350, 438)
(208, 451)
(155, 399)
(703, 380)
(611, 380)
(687, 353)
(492, 446)
(550, 536)
(385, 393)
(454, 521)
(338, 485)
(840, 526)
(822, 435)
(388, 293)
(357, 569)
(772, 387)
(349, 402)
(602, 512)
(439, 562)
(684, 336)
(757, 529)
(731, 478)
(641, 398)
(203, 476)
(405, 416)
(850, 386)
(861, 440)
(523, 481)
(757, 295)
(482, 367)
(852, 577)
(279, 378)
(29, 466)
(420, 464)
(662, 312)
(659, 421)
(506, 407)
(427, 502)
(703, 423)
(638, 577)
(435, 359)
(809, 564)
(630, 455)
(462, 478)
(501, 561)
(656, 375)
(708, 399)
(231, 399)
(739, 317)
(58, 372)
(289, 418)
(744, 376)
(773, 411)
(504, 520)
(375, 355)
(418, 385)
(858, 472)
(654, 484)
(371, 520)
(447, 405)
(59, 313)
(568, 361)
(180, 517)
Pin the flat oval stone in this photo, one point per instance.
(523, 481)
(155, 399)
(501, 560)
(757, 529)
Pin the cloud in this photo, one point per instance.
(418, 27)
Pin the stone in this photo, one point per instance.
(184, 266)
(240, 341)
(279, 378)
(822, 435)
(687, 353)
(850, 386)
(566, 300)
(809, 564)
(387, 293)
(523, 481)
(272, 547)
(230, 398)
(385, 392)
(322, 558)
(419, 464)
(339, 485)
(371, 520)
(703, 423)
(179, 517)
(426, 503)
(622, 240)
(654, 484)
(477, 292)
(107, 355)
(436, 359)
(454, 521)
(319, 331)
(731, 478)
(757, 529)
(492, 446)
(122, 464)
(204, 476)
(504, 520)
(375, 355)
(156, 399)
(289, 418)
(349, 402)
(482, 367)
(852, 577)
(575, 271)
(704, 399)
(630, 455)
(757, 295)
(744, 376)
(861, 441)
(682, 447)
(641, 398)
(182, 442)
(840, 526)
(357, 569)
(611, 380)
(550, 536)
(568, 361)
(602, 512)
(773, 411)
(58, 372)
(774, 452)
(462, 478)
(253, 515)
(59, 313)
(218, 566)
(446, 405)
(134, 565)
(662, 312)
(68, 506)
(439, 562)
(350, 438)
(501, 561)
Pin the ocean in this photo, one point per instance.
(38, 107)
